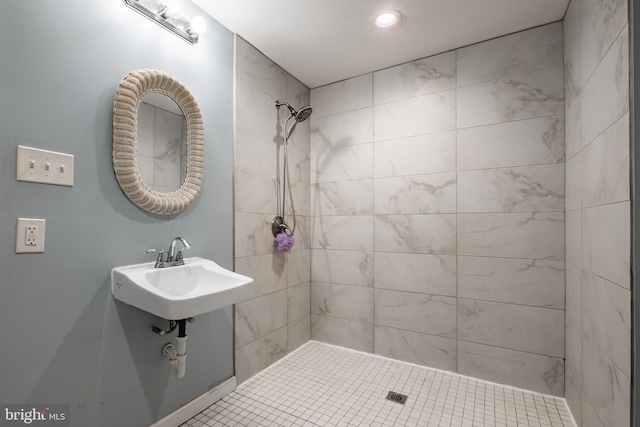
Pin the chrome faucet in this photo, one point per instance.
(173, 258)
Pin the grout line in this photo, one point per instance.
(323, 384)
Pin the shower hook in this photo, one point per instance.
(278, 226)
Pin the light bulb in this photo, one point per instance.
(198, 25)
(172, 8)
(388, 18)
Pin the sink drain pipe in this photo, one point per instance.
(178, 358)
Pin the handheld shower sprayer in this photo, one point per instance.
(283, 234)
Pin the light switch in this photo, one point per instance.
(48, 167)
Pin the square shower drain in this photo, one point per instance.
(397, 397)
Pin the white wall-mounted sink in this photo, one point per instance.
(199, 286)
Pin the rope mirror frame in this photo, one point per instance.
(129, 95)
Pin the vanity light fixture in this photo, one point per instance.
(172, 8)
(387, 19)
(168, 14)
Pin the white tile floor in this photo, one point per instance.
(324, 385)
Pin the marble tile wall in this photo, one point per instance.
(447, 206)
(277, 318)
(437, 211)
(598, 212)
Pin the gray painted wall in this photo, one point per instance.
(65, 339)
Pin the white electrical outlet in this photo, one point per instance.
(30, 235)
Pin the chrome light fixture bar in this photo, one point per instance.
(169, 15)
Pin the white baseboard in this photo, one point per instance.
(197, 405)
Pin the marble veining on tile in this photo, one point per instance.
(429, 314)
(532, 329)
(347, 95)
(257, 355)
(342, 163)
(519, 143)
(428, 75)
(524, 96)
(573, 128)
(544, 374)
(270, 269)
(343, 129)
(343, 197)
(260, 199)
(343, 267)
(538, 283)
(605, 168)
(298, 301)
(298, 332)
(255, 150)
(607, 319)
(606, 242)
(257, 317)
(343, 232)
(253, 234)
(429, 233)
(347, 333)
(531, 50)
(605, 96)
(299, 164)
(415, 347)
(503, 235)
(434, 193)
(256, 69)
(423, 273)
(417, 155)
(431, 113)
(257, 109)
(519, 189)
(574, 75)
(607, 388)
(602, 21)
(344, 301)
(298, 262)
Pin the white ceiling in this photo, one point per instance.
(324, 41)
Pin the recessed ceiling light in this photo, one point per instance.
(388, 18)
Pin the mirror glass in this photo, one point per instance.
(162, 143)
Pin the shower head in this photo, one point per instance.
(301, 115)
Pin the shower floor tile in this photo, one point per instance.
(323, 385)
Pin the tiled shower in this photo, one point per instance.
(435, 222)
(448, 194)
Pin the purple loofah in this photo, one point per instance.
(284, 242)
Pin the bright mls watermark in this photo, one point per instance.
(34, 415)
